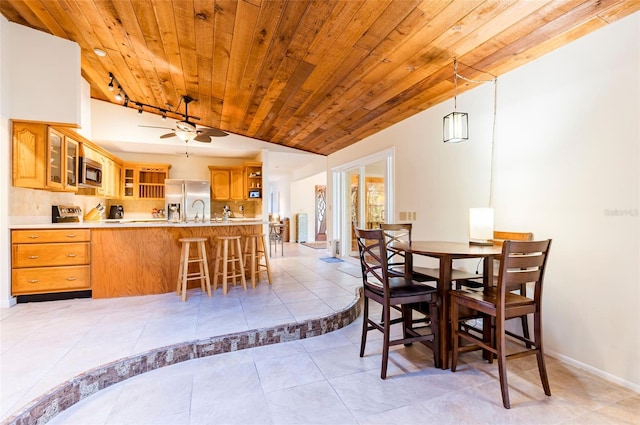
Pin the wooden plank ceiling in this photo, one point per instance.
(315, 75)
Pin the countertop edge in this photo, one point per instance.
(121, 225)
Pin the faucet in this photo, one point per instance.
(194, 204)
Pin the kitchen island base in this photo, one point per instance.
(130, 261)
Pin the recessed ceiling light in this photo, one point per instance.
(99, 52)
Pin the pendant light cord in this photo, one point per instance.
(495, 114)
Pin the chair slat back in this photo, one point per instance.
(373, 257)
(522, 262)
(396, 232)
(499, 237)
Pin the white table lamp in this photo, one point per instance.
(480, 226)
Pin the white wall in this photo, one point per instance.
(567, 167)
(5, 167)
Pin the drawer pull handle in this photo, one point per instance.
(33, 281)
(72, 255)
(33, 236)
(33, 257)
(72, 278)
(71, 235)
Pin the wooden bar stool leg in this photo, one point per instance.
(263, 239)
(249, 257)
(225, 256)
(216, 265)
(204, 268)
(240, 264)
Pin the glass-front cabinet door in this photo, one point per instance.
(72, 149)
(55, 164)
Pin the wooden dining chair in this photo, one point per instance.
(499, 237)
(393, 290)
(521, 262)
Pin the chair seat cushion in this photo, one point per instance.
(400, 287)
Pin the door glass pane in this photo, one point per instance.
(55, 158)
(374, 200)
(72, 163)
(353, 205)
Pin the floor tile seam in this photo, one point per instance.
(77, 388)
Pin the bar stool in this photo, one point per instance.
(254, 252)
(276, 237)
(229, 253)
(203, 267)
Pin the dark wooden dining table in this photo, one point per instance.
(446, 252)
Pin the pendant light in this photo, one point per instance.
(455, 125)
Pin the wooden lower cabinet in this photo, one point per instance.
(45, 261)
(144, 260)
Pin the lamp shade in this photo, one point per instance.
(480, 225)
(456, 127)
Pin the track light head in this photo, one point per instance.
(119, 97)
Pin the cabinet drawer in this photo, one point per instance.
(44, 236)
(50, 279)
(51, 254)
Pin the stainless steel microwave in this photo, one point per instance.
(90, 173)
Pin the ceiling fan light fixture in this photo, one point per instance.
(186, 136)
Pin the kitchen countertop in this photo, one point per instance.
(135, 222)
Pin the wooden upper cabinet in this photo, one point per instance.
(220, 183)
(29, 154)
(143, 180)
(236, 185)
(253, 180)
(44, 158)
(227, 183)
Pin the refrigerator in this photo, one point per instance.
(186, 198)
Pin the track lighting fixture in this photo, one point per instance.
(122, 94)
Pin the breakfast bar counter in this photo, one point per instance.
(141, 257)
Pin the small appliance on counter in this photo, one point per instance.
(116, 212)
(95, 213)
(65, 214)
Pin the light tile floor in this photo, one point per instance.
(320, 380)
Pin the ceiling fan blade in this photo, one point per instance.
(214, 132)
(153, 126)
(166, 136)
(202, 138)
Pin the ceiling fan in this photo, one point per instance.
(187, 130)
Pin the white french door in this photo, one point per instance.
(362, 198)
